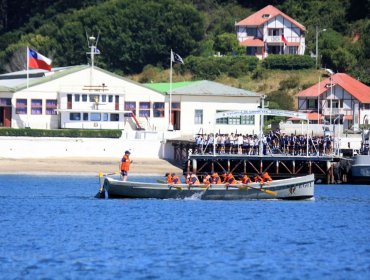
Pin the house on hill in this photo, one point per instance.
(270, 31)
(88, 97)
(339, 98)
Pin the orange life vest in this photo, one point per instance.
(194, 180)
(229, 178)
(258, 179)
(169, 179)
(246, 179)
(266, 177)
(125, 163)
(176, 179)
(207, 180)
(215, 179)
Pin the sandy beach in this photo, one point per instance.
(85, 166)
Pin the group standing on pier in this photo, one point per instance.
(273, 143)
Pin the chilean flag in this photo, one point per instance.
(36, 60)
(284, 40)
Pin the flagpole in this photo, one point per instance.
(27, 51)
(170, 127)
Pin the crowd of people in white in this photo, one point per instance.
(273, 143)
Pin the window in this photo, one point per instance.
(75, 116)
(293, 50)
(103, 98)
(144, 109)
(334, 103)
(5, 102)
(265, 15)
(21, 106)
(158, 109)
(247, 120)
(51, 107)
(130, 106)
(85, 116)
(274, 31)
(240, 120)
(105, 117)
(95, 117)
(36, 106)
(312, 104)
(114, 117)
(198, 117)
(252, 32)
(84, 97)
(175, 106)
(94, 98)
(110, 98)
(77, 98)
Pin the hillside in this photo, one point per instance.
(135, 37)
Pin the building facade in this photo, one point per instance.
(270, 31)
(91, 98)
(337, 99)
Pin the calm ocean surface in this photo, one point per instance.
(52, 227)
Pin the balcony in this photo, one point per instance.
(336, 111)
(277, 39)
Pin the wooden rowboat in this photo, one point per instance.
(292, 188)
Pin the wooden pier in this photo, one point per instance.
(279, 166)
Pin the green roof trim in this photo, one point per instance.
(165, 87)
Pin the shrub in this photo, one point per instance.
(85, 133)
(212, 67)
(288, 62)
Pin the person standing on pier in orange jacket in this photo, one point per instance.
(125, 165)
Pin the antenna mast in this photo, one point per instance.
(91, 43)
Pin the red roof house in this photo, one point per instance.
(270, 31)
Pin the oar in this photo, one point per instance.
(101, 193)
(245, 187)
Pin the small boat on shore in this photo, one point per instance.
(360, 170)
(292, 188)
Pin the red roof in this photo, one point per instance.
(348, 117)
(257, 18)
(252, 43)
(354, 87)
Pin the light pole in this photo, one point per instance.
(317, 43)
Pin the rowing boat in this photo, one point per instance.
(292, 188)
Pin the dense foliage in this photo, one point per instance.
(288, 62)
(74, 133)
(134, 34)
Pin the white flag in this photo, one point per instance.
(176, 58)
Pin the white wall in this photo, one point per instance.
(212, 104)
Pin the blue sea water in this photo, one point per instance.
(52, 227)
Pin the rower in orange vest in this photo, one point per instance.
(229, 179)
(215, 178)
(194, 179)
(266, 177)
(246, 179)
(206, 179)
(175, 179)
(258, 179)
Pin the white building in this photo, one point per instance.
(90, 97)
(270, 31)
(339, 99)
